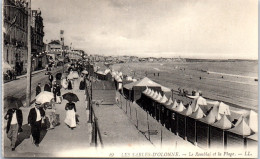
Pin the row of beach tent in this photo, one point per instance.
(206, 123)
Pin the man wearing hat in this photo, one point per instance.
(14, 117)
(38, 89)
(35, 118)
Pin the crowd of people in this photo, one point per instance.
(43, 115)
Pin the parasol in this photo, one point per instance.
(71, 97)
(44, 97)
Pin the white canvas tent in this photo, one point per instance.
(253, 121)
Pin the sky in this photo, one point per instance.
(158, 28)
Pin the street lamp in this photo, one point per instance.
(29, 62)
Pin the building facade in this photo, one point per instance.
(15, 34)
(39, 60)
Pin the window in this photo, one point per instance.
(7, 58)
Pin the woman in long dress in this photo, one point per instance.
(69, 85)
(58, 94)
(82, 84)
(64, 83)
(70, 119)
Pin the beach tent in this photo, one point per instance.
(173, 117)
(224, 108)
(191, 125)
(174, 105)
(203, 129)
(198, 101)
(163, 115)
(141, 84)
(182, 121)
(158, 106)
(218, 133)
(107, 71)
(179, 108)
(142, 102)
(236, 137)
(167, 110)
(253, 121)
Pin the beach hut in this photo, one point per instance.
(197, 102)
(127, 90)
(252, 142)
(163, 116)
(191, 125)
(253, 121)
(150, 102)
(177, 109)
(142, 101)
(172, 117)
(167, 111)
(218, 133)
(203, 129)
(182, 126)
(236, 137)
(158, 106)
(140, 86)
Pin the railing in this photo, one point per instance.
(93, 118)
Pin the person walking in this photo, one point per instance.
(70, 119)
(58, 93)
(35, 119)
(64, 83)
(70, 85)
(50, 78)
(38, 89)
(14, 119)
(54, 90)
(47, 87)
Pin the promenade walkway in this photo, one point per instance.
(59, 142)
(118, 133)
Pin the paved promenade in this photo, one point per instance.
(118, 132)
(59, 141)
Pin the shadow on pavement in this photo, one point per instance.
(43, 133)
(23, 135)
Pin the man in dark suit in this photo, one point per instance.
(38, 89)
(14, 124)
(35, 118)
(47, 87)
(50, 78)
